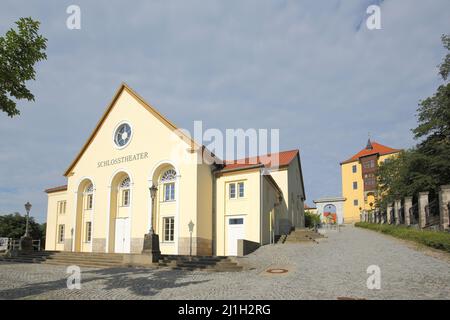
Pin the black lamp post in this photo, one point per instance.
(26, 242)
(151, 239)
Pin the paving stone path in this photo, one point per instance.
(336, 267)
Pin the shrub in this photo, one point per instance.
(434, 239)
(311, 219)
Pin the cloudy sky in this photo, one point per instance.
(310, 68)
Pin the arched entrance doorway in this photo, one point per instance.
(166, 207)
(84, 216)
(329, 213)
(119, 239)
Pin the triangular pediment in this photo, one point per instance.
(124, 87)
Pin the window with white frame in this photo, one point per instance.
(89, 192)
(125, 197)
(61, 229)
(169, 191)
(168, 182)
(168, 228)
(232, 190)
(236, 190)
(241, 189)
(125, 192)
(61, 207)
(88, 232)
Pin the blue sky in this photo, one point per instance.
(310, 68)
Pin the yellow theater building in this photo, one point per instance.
(201, 205)
(359, 184)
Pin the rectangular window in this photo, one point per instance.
(126, 197)
(169, 191)
(355, 185)
(89, 201)
(241, 189)
(232, 191)
(236, 221)
(355, 202)
(168, 231)
(61, 233)
(61, 207)
(88, 231)
(354, 168)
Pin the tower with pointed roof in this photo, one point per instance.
(359, 183)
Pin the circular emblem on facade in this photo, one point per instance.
(122, 135)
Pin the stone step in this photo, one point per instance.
(84, 264)
(80, 254)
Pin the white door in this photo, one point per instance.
(235, 232)
(122, 243)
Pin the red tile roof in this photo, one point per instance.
(376, 149)
(270, 160)
(56, 189)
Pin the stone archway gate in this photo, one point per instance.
(337, 202)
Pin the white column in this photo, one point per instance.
(423, 202)
(444, 200)
(397, 205)
(406, 208)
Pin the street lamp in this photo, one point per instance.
(151, 239)
(153, 189)
(191, 229)
(27, 208)
(26, 242)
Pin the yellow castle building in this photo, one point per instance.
(138, 172)
(359, 183)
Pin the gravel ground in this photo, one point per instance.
(335, 267)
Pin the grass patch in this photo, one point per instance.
(435, 239)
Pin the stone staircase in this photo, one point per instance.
(205, 263)
(303, 235)
(116, 260)
(82, 259)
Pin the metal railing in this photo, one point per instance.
(401, 215)
(14, 244)
(392, 216)
(432, 214)
(414, 214)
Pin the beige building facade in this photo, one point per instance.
(202, 205)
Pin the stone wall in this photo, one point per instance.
(200, 246)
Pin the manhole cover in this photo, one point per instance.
(277, 270)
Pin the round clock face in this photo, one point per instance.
(122, 135)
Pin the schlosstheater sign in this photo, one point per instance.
(119, 160)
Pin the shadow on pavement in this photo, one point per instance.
(139, 281)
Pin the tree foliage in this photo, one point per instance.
(426, 166)
(19, 52)
(13, 226)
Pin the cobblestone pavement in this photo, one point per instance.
(336, 267)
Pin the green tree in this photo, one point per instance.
(426, 166)
(13, 226)
(434, 126)
(19, 52)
